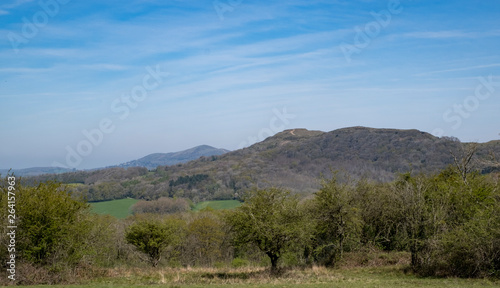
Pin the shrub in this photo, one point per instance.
(163, 205)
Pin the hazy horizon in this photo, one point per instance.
(115, 81)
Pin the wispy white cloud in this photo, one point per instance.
(25, 70)
(104, 66)
(447, 34)
(460, 69)
(15, 4)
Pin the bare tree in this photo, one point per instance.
(463, 157)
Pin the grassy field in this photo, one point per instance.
(117, 208)
(217, 205)
(121, 208)
(320, 277)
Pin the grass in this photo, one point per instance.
(121, 208)
(217, 205)
(256, 277)
(117, 208)
(368, 269)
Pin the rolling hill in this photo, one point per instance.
(293, 159)
(36, 171)
(152, 161)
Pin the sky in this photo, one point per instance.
(86, 84)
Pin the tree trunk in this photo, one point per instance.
(341, 237)
(274, 263)
(414, 255)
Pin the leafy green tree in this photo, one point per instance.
(152, 236)
(52, 227)
(337, 221)
(380, 215)
(205, 239)
(415, 218)
(463, 230)
(271, 219)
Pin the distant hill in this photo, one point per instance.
(294, 159)
(152, 161)
(36, 171)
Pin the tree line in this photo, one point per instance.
(448, 222)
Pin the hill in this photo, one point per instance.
(36, 171)
(293, 159)
(152, 161)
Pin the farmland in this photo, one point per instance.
(121, 208)
(117, 208)
(217, 205)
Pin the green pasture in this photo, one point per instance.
(121, 208)
(117, 208)
(217, 205)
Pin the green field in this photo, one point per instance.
(117, 208)
(121, 208)
(217, 205)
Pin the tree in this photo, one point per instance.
(52, 227)
(271, 219)
(337, 220)
(463, 239)
(463, 157)
(415, 218)
(163, 205)
(152, 236)
(205, 238)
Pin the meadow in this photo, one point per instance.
(121, 208)
(217, 205)
(117, 208)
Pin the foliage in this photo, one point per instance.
(152, 236)
(52, 227)
(205, 237)
(163, 205)
(271, 219)
(470, 244)
(190, 180)
(336, 221)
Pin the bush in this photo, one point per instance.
(471, 250)
(52, 227)
(239, 262)
(163, 205)
(152, 236)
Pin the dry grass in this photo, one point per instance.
(360, 269)
(358, 262)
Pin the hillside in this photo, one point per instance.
(293, 159)
(152, 161)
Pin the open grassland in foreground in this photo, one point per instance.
(258, 277)
(117, 208)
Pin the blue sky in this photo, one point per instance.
(229, 73)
